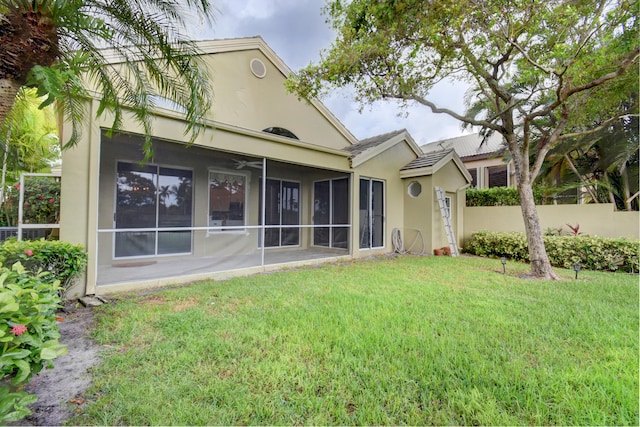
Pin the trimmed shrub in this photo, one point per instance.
(28, 334)
(500, 196)
(594, 253)
(63, 260)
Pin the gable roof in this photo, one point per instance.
(429, 164)
(469, 147)
(207, 47)
(369, 148)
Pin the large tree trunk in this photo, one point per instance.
(8, 90)
(540, 264)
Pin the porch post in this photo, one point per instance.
(263, 213)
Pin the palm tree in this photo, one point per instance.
(604, 163)
(56, 45)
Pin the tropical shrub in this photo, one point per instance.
(28, 334)
(593, 252)
(41, 204)
(500, 196)
(65, 261)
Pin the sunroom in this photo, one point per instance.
(192, 211)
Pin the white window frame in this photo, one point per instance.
(447, 206)
(215, 229)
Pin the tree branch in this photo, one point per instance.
(624, 65)
(530, 60)
(596, 129)
(552, 140)
(435, 109)
(581, 178)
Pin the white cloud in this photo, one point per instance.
(296, 30)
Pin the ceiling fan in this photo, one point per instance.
(240, 164)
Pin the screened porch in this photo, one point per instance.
(191, 211)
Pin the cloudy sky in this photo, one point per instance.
(296, 30)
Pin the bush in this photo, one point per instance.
(41, 204)
(28, 334)
(594, 253)
(500, 196)
(63, 260)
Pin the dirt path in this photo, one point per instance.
(59, 390)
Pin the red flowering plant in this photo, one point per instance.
(29, 334)
(63, 260)
(41, 203)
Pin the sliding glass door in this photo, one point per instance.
(282, 208)
(331, 213)
(152, 202)
(371, 213)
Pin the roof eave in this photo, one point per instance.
(367, 155)
(417, 172)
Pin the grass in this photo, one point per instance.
(410, 340)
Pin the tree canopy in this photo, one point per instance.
(133, 52)
(532, 66)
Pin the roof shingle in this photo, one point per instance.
(368, 143)
(426, 160)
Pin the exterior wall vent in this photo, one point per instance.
(414, 189)
(258, 68)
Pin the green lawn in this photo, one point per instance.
(431, 340)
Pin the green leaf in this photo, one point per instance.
(24, 370)
(17, 354)
(52, 349)
(8, 308)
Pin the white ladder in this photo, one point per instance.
(446, 218)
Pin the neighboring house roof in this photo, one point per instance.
(430, 163)
(469, 147)
(369, 148)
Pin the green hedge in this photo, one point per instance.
(63, 260)
(500, 196)
(594, 253)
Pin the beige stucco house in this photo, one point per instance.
(273, 182)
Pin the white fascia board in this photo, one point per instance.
(376, 151)
(414, 173)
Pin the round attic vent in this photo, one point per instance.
(258, 68)
(414, 189)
